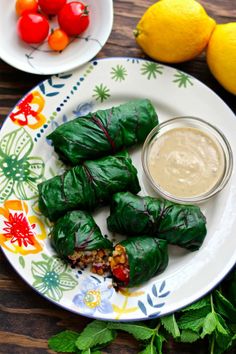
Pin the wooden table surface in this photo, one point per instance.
(26, 319)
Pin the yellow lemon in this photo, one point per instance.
(221, 55)
(174, 31)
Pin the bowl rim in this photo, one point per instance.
(227, 152)
(63, 68)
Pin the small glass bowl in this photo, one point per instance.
(207, 128)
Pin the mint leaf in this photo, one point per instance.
(89, 351)
(158, 340)
(63, 342)
(150, 349)
(96, 333)
(170, 325)
(224, 307)
(193, 319)
(222, 326)
(209, 324)
(140, 332)
(189, 336)
(205, 301)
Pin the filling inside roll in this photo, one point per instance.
(97, 259)
(119, 264)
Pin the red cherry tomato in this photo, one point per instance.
(120, 273)
(51, 7)
(74, 18)
(32, 28)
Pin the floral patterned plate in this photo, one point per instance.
(39, 59)
(26, 158)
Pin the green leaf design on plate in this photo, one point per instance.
(22, 261)
(19, 172)
(151, 70)
(52, 278)
(118, 73)
(182, 79)
(101, 93)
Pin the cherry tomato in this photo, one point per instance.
(58, 40)
(51, 7)
(23, 6)
(74, 18)
(120, 273)
(32, 28)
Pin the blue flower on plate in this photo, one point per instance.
(83, 109)
(94, 296)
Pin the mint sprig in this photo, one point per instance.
(95, 333)
(212, 317)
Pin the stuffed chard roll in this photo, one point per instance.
(88, 185)
(182, 225)
(136, 260)
(104, 132)
(77, 238)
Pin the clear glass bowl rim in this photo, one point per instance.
(200, 123)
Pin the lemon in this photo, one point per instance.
(174, 31)
(221, 55)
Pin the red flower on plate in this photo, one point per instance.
(19, 230)
(28, 111)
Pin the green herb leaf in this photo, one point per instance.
(63, 342)
(222, 336)
(194, 319)
(96, 333)
(150, 349)
(189, 336)
(140, 332)
(158, 340)
(170, 325)
(90, 351)
(205, 301)
(209, 324)
(224, 307)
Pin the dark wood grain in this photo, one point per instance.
(26, 319)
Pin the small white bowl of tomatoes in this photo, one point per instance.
(52, 36)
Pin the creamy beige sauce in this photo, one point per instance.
(186, 162)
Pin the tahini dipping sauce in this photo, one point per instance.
(186, 162)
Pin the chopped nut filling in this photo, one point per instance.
(119, 264)
(98, 259)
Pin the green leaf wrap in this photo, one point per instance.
(104, 132)
(77, 229)
(182, 225)
(88, 186)
(146, 257)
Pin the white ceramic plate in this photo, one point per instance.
(102, 84)
(39, 59)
